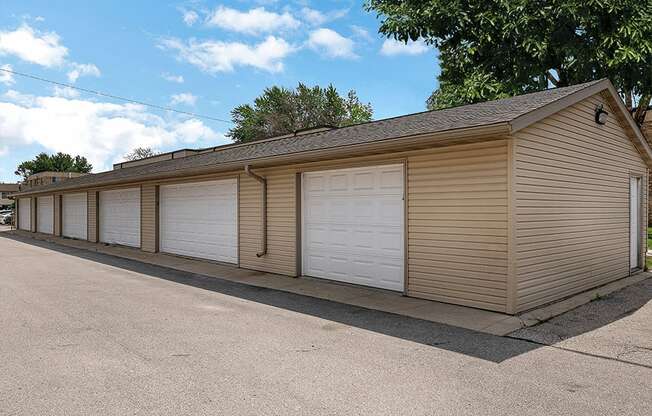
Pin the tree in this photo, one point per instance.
(281, 111)
(141, 153)
(60, 162)
(491, 49)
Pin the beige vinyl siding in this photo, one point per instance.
(281, 222)
(149, 218)
(572, 204)
(57, 214)
(457, 225)
(92, 216)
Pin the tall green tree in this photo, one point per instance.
(60, 162)
(494, 48)
(279, 111)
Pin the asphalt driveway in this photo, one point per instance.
(86, 333)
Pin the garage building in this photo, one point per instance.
(504, 205)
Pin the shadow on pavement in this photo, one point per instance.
(591, 316)
(476, 344)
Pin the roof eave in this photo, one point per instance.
(630, 125)
(526, 120)
(615, 101)
(403, 143)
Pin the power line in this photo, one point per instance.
(115, 97)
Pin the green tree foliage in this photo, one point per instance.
(491, 49)
(281, 111)
(60, 162)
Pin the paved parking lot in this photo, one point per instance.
(86, 333)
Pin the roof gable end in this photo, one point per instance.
(608, 91)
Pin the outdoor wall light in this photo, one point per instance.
(601, 115)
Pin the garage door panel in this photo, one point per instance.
(364, 239)
(74, 215)
(353, 225)
(120, 217)
(363, 181)
(45, 214)
(315, 209)
(391, 243)
(25, 214)
(338, 183)
(390, 212)
(200, 220)
(391, 180)
(314, 183)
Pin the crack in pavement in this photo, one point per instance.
(584, 353)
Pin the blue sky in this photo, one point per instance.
(199, 56)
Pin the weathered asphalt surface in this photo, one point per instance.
(618, 326)
(84, 333)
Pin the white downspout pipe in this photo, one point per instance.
(263, 183)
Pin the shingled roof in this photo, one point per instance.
(451, 119)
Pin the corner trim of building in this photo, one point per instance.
(298, 216)
(406, 228)
(512, 282)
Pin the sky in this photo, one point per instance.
(202, 57)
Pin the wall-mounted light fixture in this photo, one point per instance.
(601, 115)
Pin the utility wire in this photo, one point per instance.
(115, 97)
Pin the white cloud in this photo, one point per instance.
(216, 56)
(17, 97)
(190, 130)
(331, 43)
(318, 18)
(79, 70)
(393, 47)
(7, 78)
(31, 45)
(100, 131)
(314, 17)
(173, 78)
(65, 92)
(361, 33)
(253, 22)
(42, 48)
(190, 17)
(183, 98)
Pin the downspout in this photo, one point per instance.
(263, 182)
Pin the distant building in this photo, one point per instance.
(646, 128)
(5, 190)
(46, 178)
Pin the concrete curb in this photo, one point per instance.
(547, 312)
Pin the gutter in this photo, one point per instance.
(398, 144)
(263, 183)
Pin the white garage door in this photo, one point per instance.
(45, 214)
(74, 216)
(120, 217)
(25, 214)
(200, 220)
(353, 225)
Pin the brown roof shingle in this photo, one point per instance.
(473, 115)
